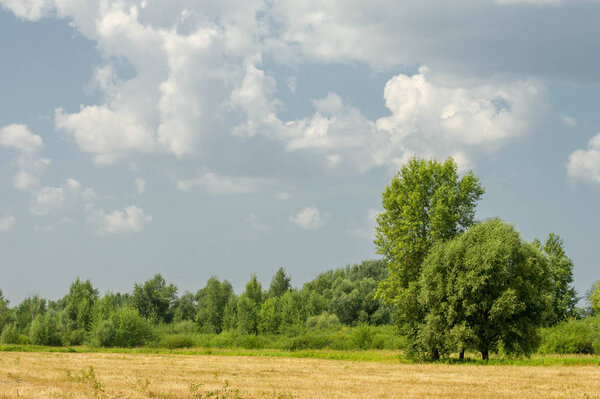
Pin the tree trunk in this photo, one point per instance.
(461, 355)
(485, 355)
(435, 355)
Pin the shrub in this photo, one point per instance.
(569, 337)
(131, 328)
(362, 336)
(74, 337)
(177, 341)
(105, 334)
(125, 328)
(10, 335)
(44, 330)
(324, 321)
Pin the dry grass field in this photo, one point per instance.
(114, 375)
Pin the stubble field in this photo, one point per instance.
(131, 375)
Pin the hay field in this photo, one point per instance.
(115, 375)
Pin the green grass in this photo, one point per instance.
(380, 356)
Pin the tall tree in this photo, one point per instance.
(484, 289)
(27, 310)
(78, 312)
(426, 202)
(5, 313)
(155, 298)
(280, 284)
(565, 297)
(212, 301)
(248, 307)
(185, 307)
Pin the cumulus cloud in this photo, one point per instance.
(58, 200)
(216, 184)
(105, 133)
(19, 137)
(429, 116)
(7, 223)
(132, 220)
(197, 70)
(31, 165)
(309, 218)
(584, 165)
(31, 10)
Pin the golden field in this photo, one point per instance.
(128, 375)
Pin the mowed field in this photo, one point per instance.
(129, 375)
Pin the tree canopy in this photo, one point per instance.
(487, 290)
(425, 203)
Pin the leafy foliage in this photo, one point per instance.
(155, 298)
(486, 290)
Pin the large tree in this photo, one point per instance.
(155, 298)
(248, 307)
(426, 202)
(5, 313)
(212, 301)
(78, 311)
(565, 297)
(486, 289)
(280, 284)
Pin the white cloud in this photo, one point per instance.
(30, 163)
(584, 165)
(7, 223)
(31, 10)
(19, 137)
(428, 118)
(309, 218)
(105, 133)
(216, 184)
(71, 195)
(193, 62)
(132, 220)
(140, 186)
(442, 119)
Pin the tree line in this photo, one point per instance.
(447, 283)
(344, 296)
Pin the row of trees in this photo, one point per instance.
(343, 296)
(448, 283)
(456, 284)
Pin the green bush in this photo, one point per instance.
(44, 330)
(131, 328)
(577, 336)
(10, 335)
(324, 321)
(74, 337)
(177, 341)
(125, 328)
(105, 334)
(362, 337)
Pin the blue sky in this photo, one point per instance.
(199, 138)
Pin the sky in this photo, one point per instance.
(195, 138)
